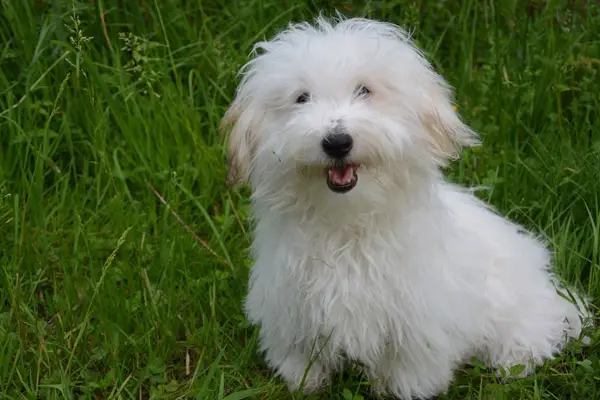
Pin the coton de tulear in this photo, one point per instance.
(362, 250)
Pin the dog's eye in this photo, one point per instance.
(303, 98)
(363, 91)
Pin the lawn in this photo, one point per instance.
(123, 253)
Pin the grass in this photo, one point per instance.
(123, 253)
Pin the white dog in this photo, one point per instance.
(362, 250)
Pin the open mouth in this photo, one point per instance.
(341, 177)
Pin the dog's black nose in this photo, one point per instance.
(337, 145)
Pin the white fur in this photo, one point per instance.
(408, 274)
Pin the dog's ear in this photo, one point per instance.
(239, 122)
(447, 132)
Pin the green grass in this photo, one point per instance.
(105, 293)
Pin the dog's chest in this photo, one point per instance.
(349, 298)
(357, 291)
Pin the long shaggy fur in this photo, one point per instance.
(406, 273)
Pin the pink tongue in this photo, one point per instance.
(341, 176)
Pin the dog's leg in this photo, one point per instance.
(424, 380)
(538, 332)
(296, 368)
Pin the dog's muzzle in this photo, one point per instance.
(341, 176)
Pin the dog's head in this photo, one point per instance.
(325, 104)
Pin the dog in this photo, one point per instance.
(362, 250)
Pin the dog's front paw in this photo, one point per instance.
(300, 376)
(421, 380)
(312, 383)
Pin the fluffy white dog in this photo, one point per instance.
(362, 250)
